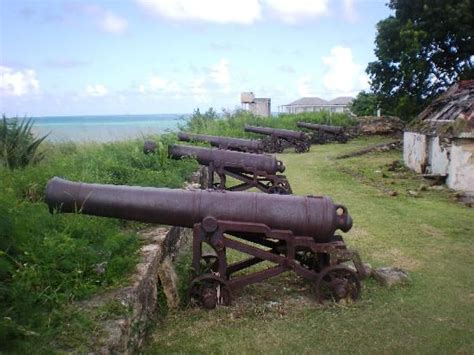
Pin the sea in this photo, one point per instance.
(105, 128)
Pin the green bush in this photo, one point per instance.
(232, 123)
(18, 146)
(47, 261)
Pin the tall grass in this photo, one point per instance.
(232, 123)
(48, 261)
(18, 145)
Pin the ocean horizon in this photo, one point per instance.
(105, 128)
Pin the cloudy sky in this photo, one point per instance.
(60, 57)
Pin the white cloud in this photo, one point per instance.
(294, 10)
(220, 74)
(163, 86)
(113, 23)
(286, 68)
(97, 90)
(342, 76)
(349, 11)
(198, 90)
(17, 82)
(217, 11)
(304, 85)
(104, 19)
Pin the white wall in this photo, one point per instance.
(438, 159)
(461, 167)
(415, 151)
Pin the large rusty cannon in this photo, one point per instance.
(252, 170)
(324, 133)
(279, 139)
(296, 233)
(229, 143)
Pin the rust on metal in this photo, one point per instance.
(295, 233)
(238, 144)
(278, 139)
(252, 170)
(325, 133)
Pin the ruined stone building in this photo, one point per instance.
(440, 142)
(258, 106)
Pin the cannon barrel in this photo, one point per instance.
(279, 132)
(228, 158)
(149, 147)
(322, 127)
(316, 217)
(218, 141)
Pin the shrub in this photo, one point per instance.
(48, 261)
(18, 145)
(233, 123)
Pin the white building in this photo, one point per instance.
(316, 104)
(441, 141)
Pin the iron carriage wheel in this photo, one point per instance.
(302, 147)
(209, 262)
(279, 189)
(209, 290)
(337, 282)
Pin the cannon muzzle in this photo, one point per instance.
(310, 216)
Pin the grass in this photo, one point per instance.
(49, 262)
(430, 236)
(232, 124)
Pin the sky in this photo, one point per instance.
(106, 57)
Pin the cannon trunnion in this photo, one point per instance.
(325, 133)
(229, 143)
(293, 232)
(252, 170)
(279, 139)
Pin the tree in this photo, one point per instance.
(421, 51)
(365, 104)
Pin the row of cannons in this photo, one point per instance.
(293, 233)
(276, 139)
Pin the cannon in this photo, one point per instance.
(252, 170)
(295, 233)
(279, 139)
(229, 143)
(325, 133)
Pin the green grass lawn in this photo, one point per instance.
(430, 236)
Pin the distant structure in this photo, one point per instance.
(440, 142)
(258, 106)
(316, 104)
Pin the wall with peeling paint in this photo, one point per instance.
(415, 151)
(438, 157)
(461, 167)
(428, 156)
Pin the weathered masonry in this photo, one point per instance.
(258, 106)
(441, 141)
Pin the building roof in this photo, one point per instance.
(342, 100)
(316, 101)
(308, 101)
(451, 114)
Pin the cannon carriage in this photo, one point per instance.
(261, 171)
(324, 133)
(279, 139)
(295, 233)
(228, 143)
